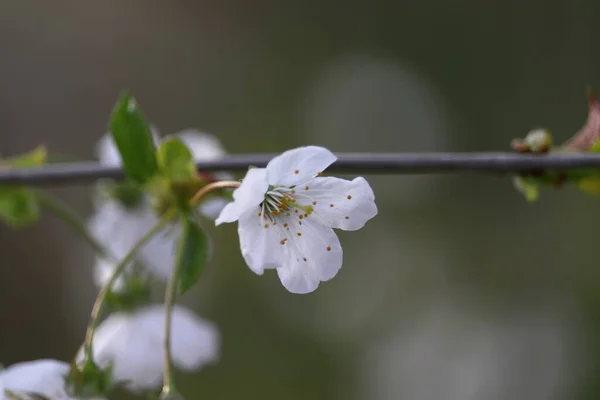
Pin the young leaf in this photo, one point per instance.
(176, 161)
(133, 139)
(18, 206)
(528, 188)
(89, 380)
(34, 158)
(192, 255)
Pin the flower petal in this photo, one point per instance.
(339, 203)
(107, 152)
(103, 270)
(314, 255)
(259, 244)
(298, 165)
(42, 377)
(304, 252)
(202, 145)
(133, 342)
(246, 197)
(213, 207)
(119, 229)
(158, 255)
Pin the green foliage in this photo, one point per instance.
(176, 161)
(193, 253)
(18, 206)
(89, 380)
(527, 187)
(136, 293)
(133, 140)
(34, 158)
(128, 193)
(595, 148)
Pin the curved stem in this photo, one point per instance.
(168, 381)
(68, 215)
(212, 187)
(99, 303)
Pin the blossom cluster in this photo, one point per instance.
(149, 229)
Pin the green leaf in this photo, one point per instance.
(34, 158)
(528, 188)
(133, 139)
(595, 147)
(176, 161)
(18, 206)
(89, 380)
(129, 194)
(193, 254)
(135, 294)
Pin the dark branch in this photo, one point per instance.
(359, 163)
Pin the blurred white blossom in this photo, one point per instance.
(286, 213)
(359, 102)
(39, 377)
(134, 343)
(119, 227)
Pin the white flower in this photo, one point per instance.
(286, 213)
(134, 343)
(119, 227)
(41, 377)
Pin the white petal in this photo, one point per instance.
(213, 207)
(103, 270)
(304, 252)
(119, 229)
(202, 145)
(43, 377)
(315, 256)
(246, 197)
(260, 246)
(340, 204)
(107, 151)
(230, 213)
(133, 342)
(298, 165)
(158, 255)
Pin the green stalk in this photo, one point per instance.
(170, 294)
(99, 303)
(62, 211)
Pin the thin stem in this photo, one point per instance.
(171, 292)
(212, 187)
(68, 215)
(99, 303)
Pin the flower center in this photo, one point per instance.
(281, 201)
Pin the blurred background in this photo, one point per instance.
(459, 289)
